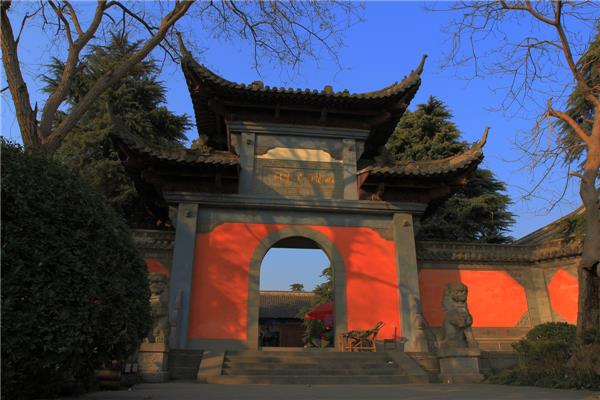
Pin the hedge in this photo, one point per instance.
(74, 290)
(551, 355)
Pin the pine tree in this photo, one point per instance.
(137, 102)
(580, 109)
(476, 212)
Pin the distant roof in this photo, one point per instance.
(283, 304)
(549, 231)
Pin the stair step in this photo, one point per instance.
(313, 372)
(318, 379)
(318, 368)
(183, 373)
(325, 354)
(314, 366)
(183, 364)
(292, 359)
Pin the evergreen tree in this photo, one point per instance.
(297, 287)
(137, 102)
(578, 107)
(476, 212)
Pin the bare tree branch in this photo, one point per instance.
(74, 18)
(532, 63)
(64, 85)
(286, 30)
(27, 16)
(583, 135)
(63, 19)
(151, 29)
(108, 79)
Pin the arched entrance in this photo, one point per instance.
(289, 273)
(291, 237)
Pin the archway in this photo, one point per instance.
(289, 273)
(295, 237)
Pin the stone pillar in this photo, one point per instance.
(181, 273)
(538, 300)
(349, 164)
(406, 270)
(247, 148)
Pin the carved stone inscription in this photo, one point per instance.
(300, 179)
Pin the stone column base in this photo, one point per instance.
(152, 360)
(459, 365)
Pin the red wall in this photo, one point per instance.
(219, 300)
(495, 298)
(563, 290)
(154, 265)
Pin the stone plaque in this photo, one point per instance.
(299, 179)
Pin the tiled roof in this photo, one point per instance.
(458, 162)
(549, 231)
(210, 91)
(175, 154)
(327, 96)
(283, 304)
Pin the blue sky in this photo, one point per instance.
(377, 52)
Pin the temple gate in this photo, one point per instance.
(276, 167)
(272, 165)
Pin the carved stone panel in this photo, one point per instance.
(291, 178)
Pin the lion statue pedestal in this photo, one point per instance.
(458, 352)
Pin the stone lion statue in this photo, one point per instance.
(159, 305)
(456, 331)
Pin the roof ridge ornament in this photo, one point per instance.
(419, 69)
(257, 85)
(483, 139)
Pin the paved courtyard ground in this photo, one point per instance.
(195, 391)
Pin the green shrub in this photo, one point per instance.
(545, 349)
(74, 290)
(552, 331)
(551, 355)
(591, 336)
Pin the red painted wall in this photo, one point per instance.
(563, 290)
(219, 300)
(495, 298)
(154, 265)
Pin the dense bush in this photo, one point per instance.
(74, 290)
(551, 355)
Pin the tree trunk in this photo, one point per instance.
(26, 117)
(588, 315)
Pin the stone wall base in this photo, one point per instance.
(459, 365)
(153, 362)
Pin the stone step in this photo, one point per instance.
(427, 361)
(307, 354)
(186, 362)
(183, 364)
(319, 366)
(183, 373)
(314, 372)
(306, 359)
(318, 379)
